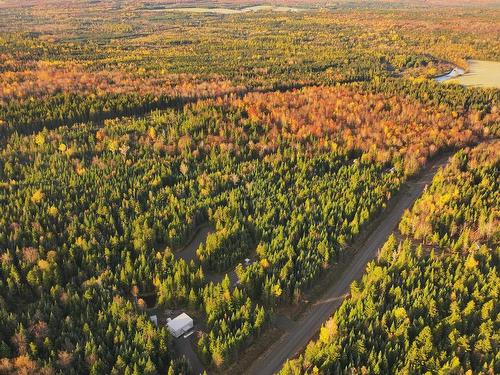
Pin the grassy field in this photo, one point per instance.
(233, 11)
(480, 74)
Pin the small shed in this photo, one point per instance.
(179, 325)
(154, 319)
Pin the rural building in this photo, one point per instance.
(180, 324)
(154, 319)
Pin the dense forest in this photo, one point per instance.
(429, 304)
(126, 59)
(124, 130)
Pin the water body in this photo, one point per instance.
(455, 72)
(233, 11)
(479, 74)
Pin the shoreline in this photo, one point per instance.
(454, 73)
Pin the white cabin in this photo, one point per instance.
(179, 325)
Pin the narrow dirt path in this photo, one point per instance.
(188, 252)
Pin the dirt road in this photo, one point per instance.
(297, 338)
(188, 253)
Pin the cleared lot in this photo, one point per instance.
(479, 74)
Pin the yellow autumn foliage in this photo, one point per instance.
(53, 211)
(40, 139)
(37, 196)
(62, 147)
(277, 291)
(152, 133)
(113, 146)
(43, 264)
(80, 242)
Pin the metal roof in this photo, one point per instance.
(180, 321)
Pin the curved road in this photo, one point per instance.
(295, 340)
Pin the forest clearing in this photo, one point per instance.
(480, 74)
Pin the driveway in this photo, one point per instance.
(184, 348)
